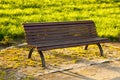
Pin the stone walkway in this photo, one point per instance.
(109, 70)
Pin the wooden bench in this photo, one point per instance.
(53, 35)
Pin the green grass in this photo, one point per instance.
(105, 13)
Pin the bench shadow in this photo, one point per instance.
(67, 56)
(108, 66)
(117, 78)
(116, 69)
(7, 74)
(12, 74)
(72, 74)
(81, 60)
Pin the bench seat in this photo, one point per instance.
(69, 43)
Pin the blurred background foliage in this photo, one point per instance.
(105, 13)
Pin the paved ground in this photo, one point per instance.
(103, 71)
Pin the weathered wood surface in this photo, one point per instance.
(61, 34)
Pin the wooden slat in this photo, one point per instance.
(59, 33)
(62, 35)
(42, 39)
(64, 29)
(56, 26)
(57, 23)
(67, 41)
(72, 44)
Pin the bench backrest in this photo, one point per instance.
(59, 32)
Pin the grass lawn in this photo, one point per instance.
(13, 13)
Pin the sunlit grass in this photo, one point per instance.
(105, 14)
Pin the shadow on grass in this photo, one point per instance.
(12, 74)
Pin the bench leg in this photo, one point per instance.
(30, 53)
(42, 58)
(86, 47)
(100, 48)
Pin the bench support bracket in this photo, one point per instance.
(42, 58)
(99, 46)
